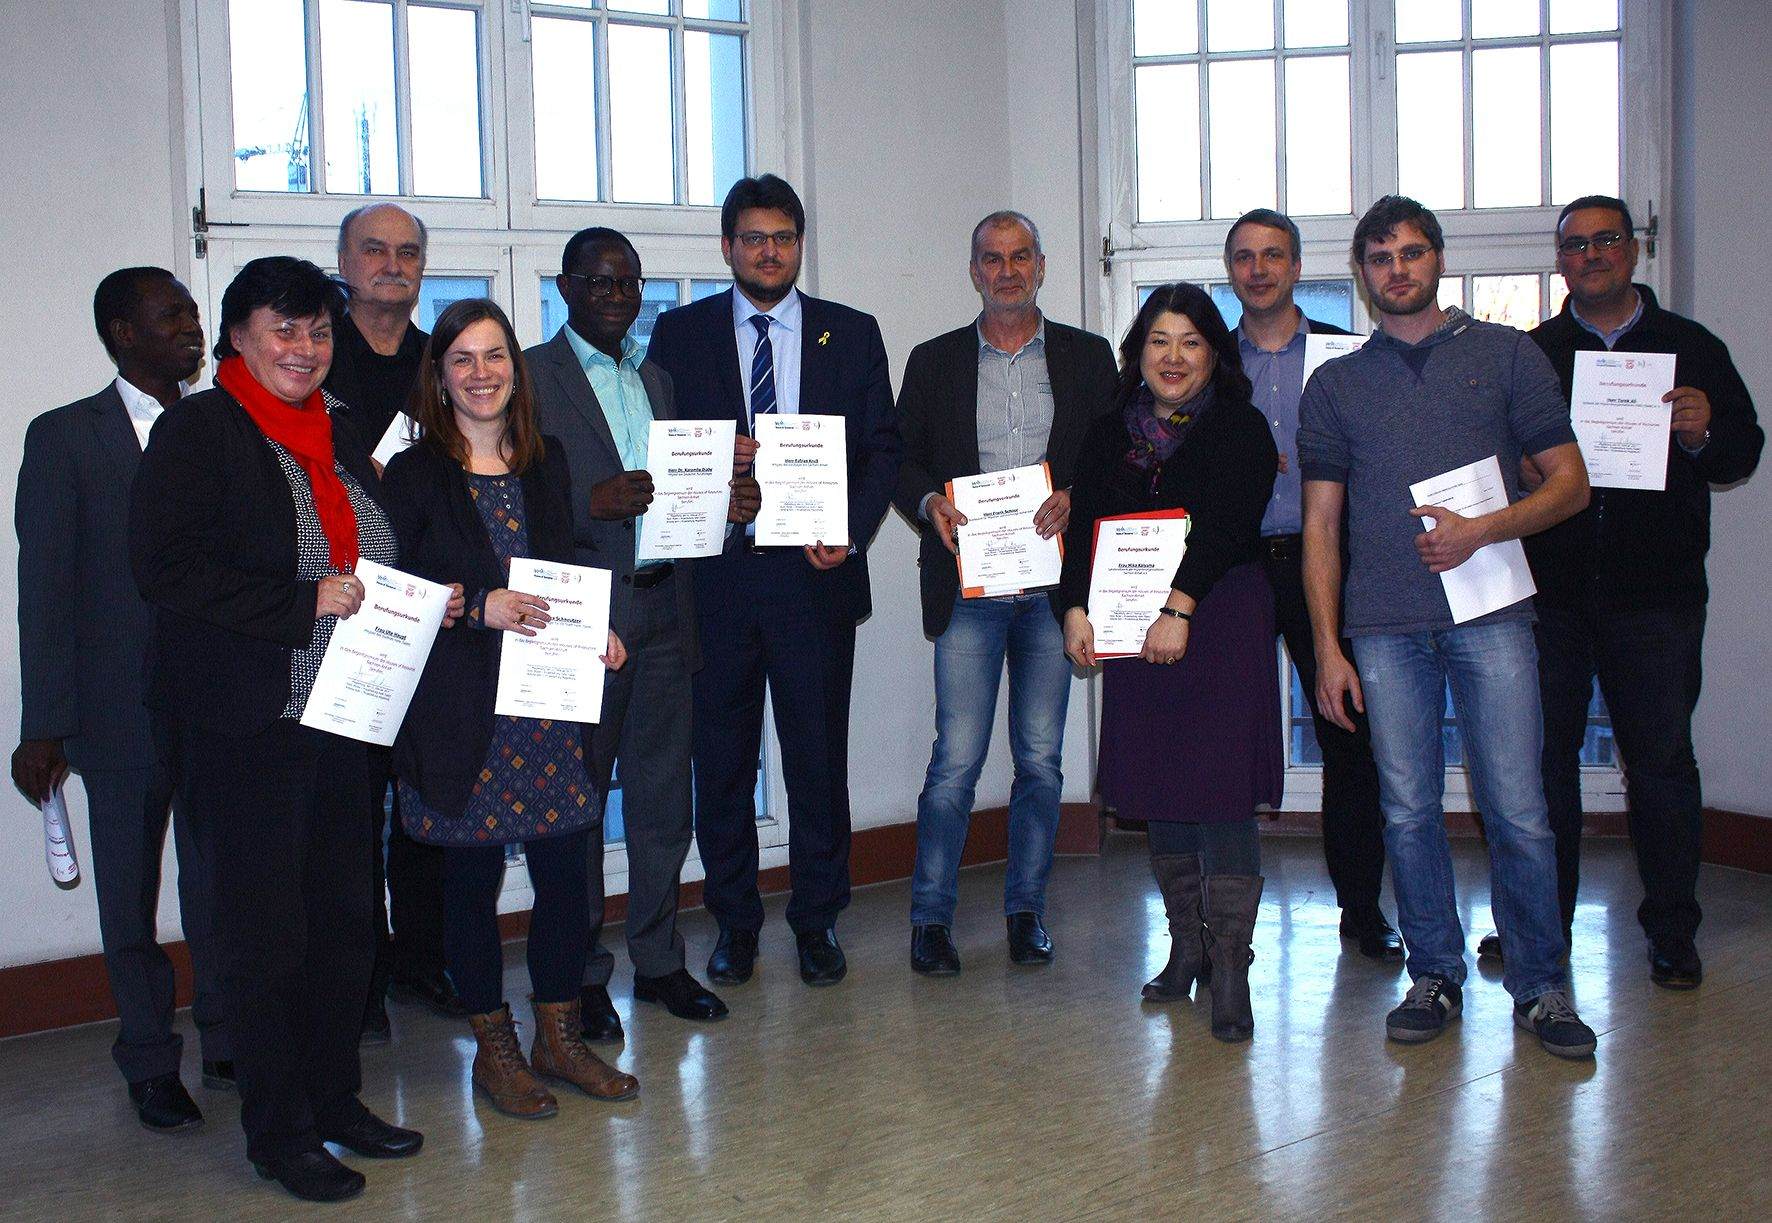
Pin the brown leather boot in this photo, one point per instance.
(501, 1072)
(1232, 903)
(1178, 876)
(560, 1052)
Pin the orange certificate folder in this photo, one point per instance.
(1130, 576)
(998, 506)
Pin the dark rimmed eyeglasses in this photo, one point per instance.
(1600, 242)
(606, 286)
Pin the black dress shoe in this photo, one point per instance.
(163, 1104)
(432, 990)
(377, 1030)
(1372, 934)
(1674, 966)
(597, 1018)
(680, 994)
(312, 1176)
(1028, 941)
(371, 1137)
(821, 959)
(219, 1076)
(933, 952)
(734, 958)
(1489, 947)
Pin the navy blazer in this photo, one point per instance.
(842, 373)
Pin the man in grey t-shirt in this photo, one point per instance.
(1432, 391)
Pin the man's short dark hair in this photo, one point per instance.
(350, 219)
(1004, 217)
(1598, 201)
(596, 237)
(1271, 219)
(1381, 221)
(292, 287)
(764, 191)
(118, 295)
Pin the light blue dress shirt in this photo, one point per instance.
(620, 392)
(785, 328)
(1276, 381)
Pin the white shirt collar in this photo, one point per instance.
(142, 407)
(785, 313)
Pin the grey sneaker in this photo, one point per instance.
(1559, 1029)
(1432, 1002)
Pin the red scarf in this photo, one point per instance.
(306, 432)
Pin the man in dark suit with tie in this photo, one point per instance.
(1010, 389)
(83, 639)
(785, 616)
(596, 391)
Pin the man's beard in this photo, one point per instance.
(766, 295)
(1413, 304)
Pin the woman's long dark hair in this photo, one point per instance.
(1228, 379)
(430, 406)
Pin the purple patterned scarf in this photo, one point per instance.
(1156, 435)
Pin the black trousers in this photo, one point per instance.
(280, 815)
(559, 924)
(1353, 825)
(408, 884)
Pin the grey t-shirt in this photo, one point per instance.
(1392, 414)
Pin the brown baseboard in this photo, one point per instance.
(1733, 838)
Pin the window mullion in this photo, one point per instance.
(1280, 191)
(679, 113)
(316, 102)
(1468, 68)
(1201, 75)
(605, 121)
(1544, 109)
(403, 101)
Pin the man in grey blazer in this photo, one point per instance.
(83, 638)
(597, 393)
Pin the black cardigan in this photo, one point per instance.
(442, 744)
(1222, 475)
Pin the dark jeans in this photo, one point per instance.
(559, 924)
(1232, 848)
(408, 884)
(1649, 664)
(1353, 824)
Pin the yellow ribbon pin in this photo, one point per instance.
(823, 339)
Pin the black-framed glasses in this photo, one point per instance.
(606, 286)
(1604, 241)
(1408, 255)
(752, 239)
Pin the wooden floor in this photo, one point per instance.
(1033, 1094)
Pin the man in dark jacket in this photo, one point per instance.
(1621, 585)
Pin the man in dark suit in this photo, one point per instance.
(83, 639)
(596, 391)
(1010, 389)
(782, 615)
(1263, 254)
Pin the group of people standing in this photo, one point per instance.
(216, 535)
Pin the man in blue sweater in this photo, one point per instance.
(1432, 391)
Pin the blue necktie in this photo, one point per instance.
(762, 371)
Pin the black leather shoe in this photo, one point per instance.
(369, 1136)
(734, 958)
(432, 990)
(1675, 967)
(163, 1104)
(933, 952)
(597, 1018)
(1028, 941)
(821, 959)
(312, 1176)
(219, 1076)
(680, 994)
(1489, 947)
(377, 1030)
(1372, 934)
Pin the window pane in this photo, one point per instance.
(718, 10)
(1239, 25)
(713, 90)
(438, 291)
(657, 297)
(1579, 16)
(1225, 298)
(564, 54)
(1167, 98)
(1503, 18)
(1505, 139)
(1301, 740)
(1327, 301)
(1512, 300)
(698, 289)
(1242, 110)
(1318, 153)
(267, 48)
(1559, 293)
(1584, 120)
(1165, 27)
(445, 45)
(1430, 127)
(1451, 292)
(641, 153)
(1429, 20)
(553, 309)
(1316, 23)
(639, 6)
(357, 81)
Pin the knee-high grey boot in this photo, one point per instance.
(1232, 902)
(1178, 876)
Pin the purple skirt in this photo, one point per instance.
(1199, 741)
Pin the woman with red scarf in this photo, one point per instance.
(245, 528)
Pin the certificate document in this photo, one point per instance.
(1321, 348)
(802, 465)
(1130, 576)
(1622, 425)
(558, 673)
(401, 432)
(373, 661)
(1000, 552)
(1495, 576)
(691, 466)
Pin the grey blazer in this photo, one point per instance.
(569, 411)
(82, 625)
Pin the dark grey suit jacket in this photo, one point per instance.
(569, 411)
(82, 624)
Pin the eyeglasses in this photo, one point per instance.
(1600, 242)
(606, 286)
(1408, 255)
(787, 239)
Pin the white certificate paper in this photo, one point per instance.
(58, 841)
(802, 465)
(1130, 577)
(1495, 576)
(374, 659)
(1000, 552)
(558, 673)
(401, 432)
(1620, 422)
(1321, 348)
(691, 466)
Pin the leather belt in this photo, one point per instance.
(652, 575)
(1283, 547)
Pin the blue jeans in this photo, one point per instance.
(968, 667)
(1493, 672)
